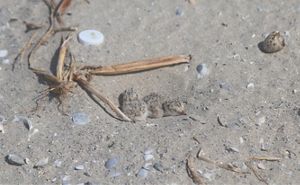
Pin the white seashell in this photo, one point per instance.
(90, 37)
(273, 43)
(3, 53)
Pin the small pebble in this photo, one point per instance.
(202, 71)
(21, 119)
(261, 166)
(3, 53)
(66, 180)
(6, 61)
(231, 149)
(1, 128)
(179, 12)
(79, 167)
(41, 163)
(148, 157)
(110, 163)
(148, 151)
(114, 173)
(80, 118)
(261, 120)
(158, 167)
(196, 117)
(142, 173)
(250, 85)
(15, 159)
(57, 163)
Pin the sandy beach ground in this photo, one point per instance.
(247, 105)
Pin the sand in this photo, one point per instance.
(261, 119)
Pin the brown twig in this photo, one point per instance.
(86, 86)
(22, 51)
(138, 66)
(265, 158)
(192, 172)
(61, 57)
(257, 175)
(226, 166)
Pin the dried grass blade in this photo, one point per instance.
(142, 65)
(85, 85)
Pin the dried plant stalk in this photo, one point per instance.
(265, 158)
(61, 58)
(138, 66)
(257, 175)
(22, 51)
(86, 85)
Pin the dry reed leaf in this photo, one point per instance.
(90, 89)
(61, 57)
(192, 2)
(142, 65)
(63, 5)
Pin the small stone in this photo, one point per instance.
(41, 163)
(196, 117)
(1, 128)
(261, 120)
(179, 12)
(202, 71)
(3, 53)
(114, 173)
(66, 180)
(79, 167)
(14, 159)
(57, 163)
(6, 61)
(250, 85)
(80, 118)
(261, 166)
(87, 174)
(231, 149)
(148, 151)
(21, 119)
(148, 157)
(110, 163)
(142, 173)
(158, 167)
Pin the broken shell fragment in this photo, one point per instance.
(15, 159)
(41, 163)
(274, 42)
(27, 123)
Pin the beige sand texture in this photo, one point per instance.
(260, 119)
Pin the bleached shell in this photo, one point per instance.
(15, 159)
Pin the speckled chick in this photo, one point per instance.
(173, 108)
(132, 106)
(154, 105)
(274, 42)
